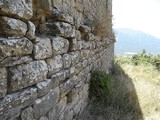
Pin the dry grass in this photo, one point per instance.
(135, 95)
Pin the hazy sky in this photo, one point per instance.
(141, 15)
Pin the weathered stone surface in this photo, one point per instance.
(44, 104)
(55, 64)
(31, 32)
(61, 76)
(25, 75)
(67, 60)
(73, 45)
(76, 68)
(67, 86)
(89, 37)
(58, 4)
(12, 61)
(42, 48)
(57, 15)
(84, 30)
(75, 56)
(60, 45)
(13, 103)
(67, 114)
(57, 110)
(43, 118)
(18, 8)
(27, 114)
(85, 54)
(45, 86)
(14, 47)
(3, 82)
(46, 5)
(58, 28)
(11, 27)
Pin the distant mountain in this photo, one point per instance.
(132, 41)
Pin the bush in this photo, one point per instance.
(99, 85)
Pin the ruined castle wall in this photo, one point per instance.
(47, 51)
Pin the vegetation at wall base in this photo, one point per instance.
(99, 85)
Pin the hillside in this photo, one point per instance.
(129, 40)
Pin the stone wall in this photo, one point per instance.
(47, 51)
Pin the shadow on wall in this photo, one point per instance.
(121, 104)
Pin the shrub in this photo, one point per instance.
(99, 85)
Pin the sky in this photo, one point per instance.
(143, 15)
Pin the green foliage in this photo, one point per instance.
(142, 58)
(99, 85)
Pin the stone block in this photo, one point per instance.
(45, 86)
(67, 114)
(75, 57)
(76, 69)
(84, 30)
(31, 31)
(60, 16)
(27, 114)
(17, 8)
(55, 64)
(46, 103)
(58, 28)
(12, 61)
(67, 60)
(13, 103)
(60, 45)
(67, 86)
(15, 47)
(3, 82)
(11, 27)
(42, 48)
(44, 118)
(46, 5)
(25, 75)
(61, 76)
(57, 110)
(73, 45)
(58, 4)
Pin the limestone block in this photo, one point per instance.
(80, 44)
(13, 103)
(15, 47)
(73, 44)
(45, 86)
(43, 118)
(42, 48)
(60, 45)
(12, 61)
(78, 35)
(67, 60)
(67, 86)
(27, 114)
(61, 76)
(79, 7)
(44, 104)
(25, 75)
(85, 54)
(55, 64)
(89, 37)
(58, 4)
(18, 8)
(31, 32)
(75, 57)
(3, 82)
(46, 5)
(84, 30)
(57, 110)
(60, 16)
(76, 68)
(67, 114)
(58, 28)
(11, 27)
